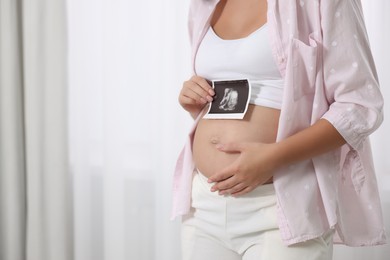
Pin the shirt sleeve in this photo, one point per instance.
(350, 78)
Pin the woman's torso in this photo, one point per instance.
(234, 20)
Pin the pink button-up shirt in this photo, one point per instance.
(322, 51)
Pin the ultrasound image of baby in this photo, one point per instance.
(229, 100)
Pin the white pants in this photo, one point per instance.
(228, 228)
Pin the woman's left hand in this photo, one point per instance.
(254, 166)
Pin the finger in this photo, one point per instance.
(193, 90)
(186, 101)
(231, 147)
(224, 185)
(224, 174)
(199, 95)
(193, 98)
(202, 82)
(236, 188)
(242, 192)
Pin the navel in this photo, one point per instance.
(214, 140)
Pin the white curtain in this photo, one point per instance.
(127, 62)
(35, 185)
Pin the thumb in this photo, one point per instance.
(224, 174)
(230, 147)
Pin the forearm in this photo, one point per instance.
(317, 139)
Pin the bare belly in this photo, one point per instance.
(260, 124)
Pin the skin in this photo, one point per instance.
(245, 154)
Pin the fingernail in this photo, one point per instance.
(210, 99)
(219, 146)
(209, 181)
(211, 92)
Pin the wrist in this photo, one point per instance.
(194, 113)
(279, 155)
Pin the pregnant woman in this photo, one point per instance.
(295, 174)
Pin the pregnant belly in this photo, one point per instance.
(260, 124)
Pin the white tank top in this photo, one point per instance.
(250, 58)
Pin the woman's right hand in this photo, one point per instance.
(195, 94)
